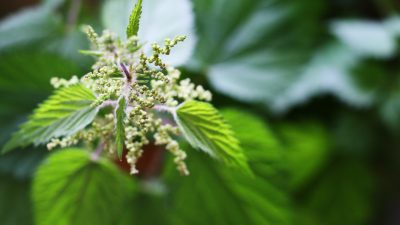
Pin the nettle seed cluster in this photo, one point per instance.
(149, 86)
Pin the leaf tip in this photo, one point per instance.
(134, 20)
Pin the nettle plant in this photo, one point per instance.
(127, 101)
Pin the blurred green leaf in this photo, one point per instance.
(68, 45)
(28, 26)
(329, 72)
(353, 33)
(229, 197)
(70, 188)
(41, 29)
(15, 204)
(205, 129)
(31, 71)
(67, 111)
(174, 17)
(343, 196)
(245, 54)
(307, 148)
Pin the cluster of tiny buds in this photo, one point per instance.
(60, 82)
(122, 70)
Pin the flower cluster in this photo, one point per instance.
(149, 86)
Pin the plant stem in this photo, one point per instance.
(96, 154)
(164, 108)
(108, 103)
(126, 72)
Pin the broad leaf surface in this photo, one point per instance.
(70, 188)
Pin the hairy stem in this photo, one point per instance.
(108, 103)
(96, 154)
(164, 108)
(126, 72)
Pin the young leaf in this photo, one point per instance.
(70, 188)
(134, 20)
(64, 113)
(119, 126)
(205, 128)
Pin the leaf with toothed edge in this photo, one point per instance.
(134, 20)
(67, 111)
(205, 129)
(119, 126)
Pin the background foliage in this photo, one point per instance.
(311, 88)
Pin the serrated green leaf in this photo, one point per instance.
(71, 188)
(119, 126)
(204, 128)
(134, 20)
(64, 113)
